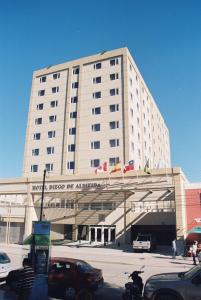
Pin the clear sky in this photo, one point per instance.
(164, 37)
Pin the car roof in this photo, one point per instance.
(65, 259)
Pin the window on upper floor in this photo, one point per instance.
(41, 93)
(95, 127)
(113, 161)
(95, 145)
(97, 79)
(71, 148)
(72, 131)
(114, 143)
(114, 61)
(37, 136)
(96, 111)
(35, 152)
(96, 95)
(114, 124)
(56, 75)
(75, 85)
(55, 89)
(114, 92)
(95, 163)
(38, 121)
(71, 165)
(39, 106)
(131, 112)
(137, 91)
(42, 79)
(97, 66)
(53, 103)
(34, 168)
(50, 150)
(114, 76)
(52, 118)
(131, 82)
(73, 115)
(74, 99)
(76, 71)
(114, 107)
(51, 134)
(49, 167)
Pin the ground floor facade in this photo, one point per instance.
(99, 209)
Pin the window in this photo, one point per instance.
(76, 71)
(96, 111)
(50, 150)
(36, 136)
(114, 107)
(114, 92)
(52, 118)
(95, 163)
(96, 95)
(38, 121)
(95, 127)
(39, 106)
(97, 79)
(113, 161)
(72, 131)
(41, 93)
(34, 168)
(131, 112)
(49, 167)
(114, 62)
(75, 85)
(35, 152)
(95, 145)
(73, 115)
(114, 76)
(71, 165)
(137, 91)
(71, 148)
(132, 146)
(138, 106)
(54, 103)
(114, 124)
(74, 99)
(55, 89)
(56, 75)
(51, 134)
(42, 79)
(97, 66)
(131, 82)
(114, 143)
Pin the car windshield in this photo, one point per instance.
(143, 238)
(4, 259)
(190, 272)
(84, 267)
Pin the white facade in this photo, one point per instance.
(93, 110)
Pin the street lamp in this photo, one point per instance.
(43, 188)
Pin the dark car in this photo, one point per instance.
(69, 275)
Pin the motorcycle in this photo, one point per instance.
(133, 290)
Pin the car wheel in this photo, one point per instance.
(166, 296)
(84, 295)
(70, 293)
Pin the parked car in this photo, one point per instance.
(174, 286)
(144, 242)
(5, 266)
(66, 277)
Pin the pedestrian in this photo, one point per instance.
(26, 280)
(174, 249)
(194, 252)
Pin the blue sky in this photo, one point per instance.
(164, 38)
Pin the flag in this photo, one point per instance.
(101, 168)
(116, 168)
(146, 167)
(129, 166)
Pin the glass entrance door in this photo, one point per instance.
(102, 234)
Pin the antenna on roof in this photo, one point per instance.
(48, 67)
(103, 52)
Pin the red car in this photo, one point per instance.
(67, 276)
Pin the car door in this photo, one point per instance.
(56, 279)
(193, 288)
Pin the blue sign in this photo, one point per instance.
(41, 227)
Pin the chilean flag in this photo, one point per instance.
(129, 166)
(101, 168)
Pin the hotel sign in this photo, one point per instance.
(63, 187)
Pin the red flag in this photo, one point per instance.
(129, 166)
(101, 168)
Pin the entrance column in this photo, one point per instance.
(75, 232)
(29, 215)
(102, 234)
(89, 234)
(109, 234)
(95, 234)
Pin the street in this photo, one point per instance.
(113, 262)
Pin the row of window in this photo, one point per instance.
(98, 79)
(54, 76)
(113, 62)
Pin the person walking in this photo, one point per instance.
(174, 249)
(194, 252)
(26, 280)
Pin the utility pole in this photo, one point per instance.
(43, 188)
